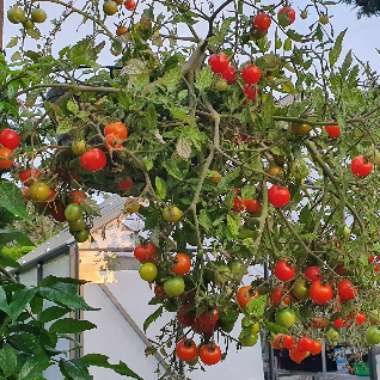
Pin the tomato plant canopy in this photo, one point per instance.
(232, 131)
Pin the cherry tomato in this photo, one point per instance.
(174, 286)
(38, 15)
(39, 191)
(252, 206)
(238, 204)
(110, 7)
(262, 22)
(6, 161)
(251, 74)
(298, 356)
(251, 92)
(286, 317)
(333, 131)
(313, 273)
(121, 30)
(182, 264)
(73, 212)
(118, 129)
(130, 5)
(360, 319)
(93, 160)
(148, 272)
(210, 354)
(317, 348)
(283, 271)
(361, 167)
(145, 252)
(286, 16)
(186, 350)
(305, 344)
(321, 294)
(77, 196)
(28, 175)
(229, 74)
(244, 295)
(206, 323)
(319, 323)
(185, 315)
(219, 63)
(278, 196)
(9, 138)
(340, 323)
(278, 296)
(346, 290)
(125, 184)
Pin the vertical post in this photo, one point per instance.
(1, 23)
(324, 361)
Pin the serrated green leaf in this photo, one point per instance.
(152, 318)
(204, 78)
(337, 49)
(12, 200)
(71, 326)
(233, 224)
(161, 188)
(8, 360)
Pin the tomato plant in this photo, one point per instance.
(227, 142)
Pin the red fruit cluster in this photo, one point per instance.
(210, 353)
(9, 141)
(250, 205)
(220, 64)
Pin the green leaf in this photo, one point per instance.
(337, 49)
(204, 220)
(52, 313)
(204, 78)
(174, 169)
(256, 306)
(12, 42)
(3, 301)
(72, 106)
(71, 326)
(161, 188)
(151, 117)
(12, 200)
(153, 317)
(233, 224)
(21, 299)
(8, 360)
(74, 370)
(33, 367)
(7, 236)
(99, 360)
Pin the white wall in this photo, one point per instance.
(115, 338)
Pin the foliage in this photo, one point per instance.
(366, 7)
(204, 146)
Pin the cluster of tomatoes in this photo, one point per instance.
(9, 141)
(17, 15)
(111, 7)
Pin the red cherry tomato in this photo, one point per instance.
(244, 295)
(278, 296)
(297, 356)
(77, 196)
(360, 319)
(6, 161)
(210, 354)
(9, 138)
(313, 273)
(281, 341)
(361, 167)
(93, 160)
(321, 294)
(182, 264)
(346, 290)
(251, 92)
(219, 63)
(130, 5)
(125, 184)
(186, 350)
(262, 22)
(333, 131)
(278, 196)
(28, 175)
(206, 323)
(238, 204)
(286, 16)
(340, 323)
(185, 315)
(252, 206)
(317, 348)
(251, 74)
(305, 344)
(229, 74)
(145, 252)
(283, 271)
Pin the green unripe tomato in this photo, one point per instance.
(238, 270)
(39, 191)
(110, 7)
(286, 317)
(373, 335)
(16, 15)
(73, 212)
(324, 19)
(77, 225)
(81, 236)
(300, 289)
(221, 85)
(148, 272)
(248, 340)
(38, 15)
(172, 214)
(78, 147)
(174, 286)
(332, 335)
